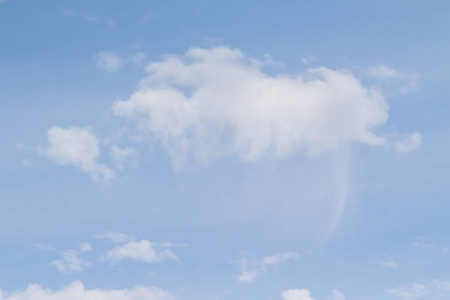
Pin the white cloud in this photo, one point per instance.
(388, 77)
(408, 143)
(409, 291)
(120, 155)
(139, 251)
(79, 148)
(70, 262)
(108, 61)
(115, 237)
(302, 294)
(76, 291)
(251, 268)
(435, 289)
(336, 295)
(382, 72)
(216, 102)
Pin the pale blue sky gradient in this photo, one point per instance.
(396, 204)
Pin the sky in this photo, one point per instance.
(217, 150)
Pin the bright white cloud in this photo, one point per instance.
(108, 61)
(301, 294)
(70, 262)
(410, 291)
(251, 268)
(79, 148)
(408, 143)
(115, 237)
(139, 251)
(217, 102)
(77, 291)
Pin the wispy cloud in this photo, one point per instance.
(115, 237)
(92, 17)
(423, 243)
(408, 143)
(394, 80)
(251, 268)
(108, 61)
(70, 260)
(389, 262)
(121, 155)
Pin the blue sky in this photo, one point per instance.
(289, 150)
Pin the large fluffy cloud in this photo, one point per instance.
(77, 147)
(213, 102)
(76, 291)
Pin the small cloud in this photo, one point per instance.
(300, 294)
(139, 251)
(309, 60)
(77, 147)
(44, 247)
(250, 269)
(408, 143)
(422, 243)
(382, 73)
(108, 61)
(70, 262)
(336, 295)
(394, 80)
(85, 247)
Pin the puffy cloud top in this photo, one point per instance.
(76, 291)
(213, 102)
